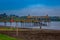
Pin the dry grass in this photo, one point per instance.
(34, 34)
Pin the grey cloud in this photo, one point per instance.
(36, 10)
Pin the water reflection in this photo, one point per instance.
(51, 25)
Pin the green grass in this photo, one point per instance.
(6, 28)
(5, 37)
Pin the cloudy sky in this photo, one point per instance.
(32, 7)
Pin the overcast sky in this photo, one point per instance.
(32, 7)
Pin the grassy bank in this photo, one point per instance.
(5, 37)
(6, 28)
(33, 34)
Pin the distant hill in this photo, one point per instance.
(7, 18)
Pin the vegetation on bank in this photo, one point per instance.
(6, 28)
(5, 37)
(14, 18)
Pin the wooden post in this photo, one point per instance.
(11, 20)
(21, 24)
(10, 25)
(40, 25)
(16, 29)
(5, 23)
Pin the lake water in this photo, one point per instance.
(51, 25)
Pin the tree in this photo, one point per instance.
(4, 18)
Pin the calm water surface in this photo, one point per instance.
(51, 25)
